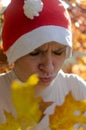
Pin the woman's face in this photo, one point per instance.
(45, 61)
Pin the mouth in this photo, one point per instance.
(46, 79)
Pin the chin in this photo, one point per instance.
(43, 85)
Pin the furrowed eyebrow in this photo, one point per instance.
(62, 48)
(45, 50)
(40, 49)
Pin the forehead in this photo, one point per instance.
(53, 45)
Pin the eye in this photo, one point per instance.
(58, 53)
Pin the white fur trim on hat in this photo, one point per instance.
(32, 8)
(31, 40)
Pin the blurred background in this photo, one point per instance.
(77, 63)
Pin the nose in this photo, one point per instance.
(47, 64)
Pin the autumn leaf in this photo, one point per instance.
(25, 102)
(68, 114)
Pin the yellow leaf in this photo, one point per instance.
(25, 102)
(68, 114)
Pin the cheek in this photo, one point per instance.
(59, 62)
(25, 67)
(30, 66)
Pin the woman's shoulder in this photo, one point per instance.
(6, 78)
(72, 78)
(75, 84)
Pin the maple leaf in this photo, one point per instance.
(68, 114)
(25, 102)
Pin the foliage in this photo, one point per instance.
(77, 11)
(68, 114)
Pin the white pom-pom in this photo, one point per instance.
(32, 8)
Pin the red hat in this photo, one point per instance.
(29, 24)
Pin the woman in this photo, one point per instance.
(37, 38)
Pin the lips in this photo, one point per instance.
(46, 79)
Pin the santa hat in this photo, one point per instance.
(29, 24)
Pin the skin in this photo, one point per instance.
(45, 61)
